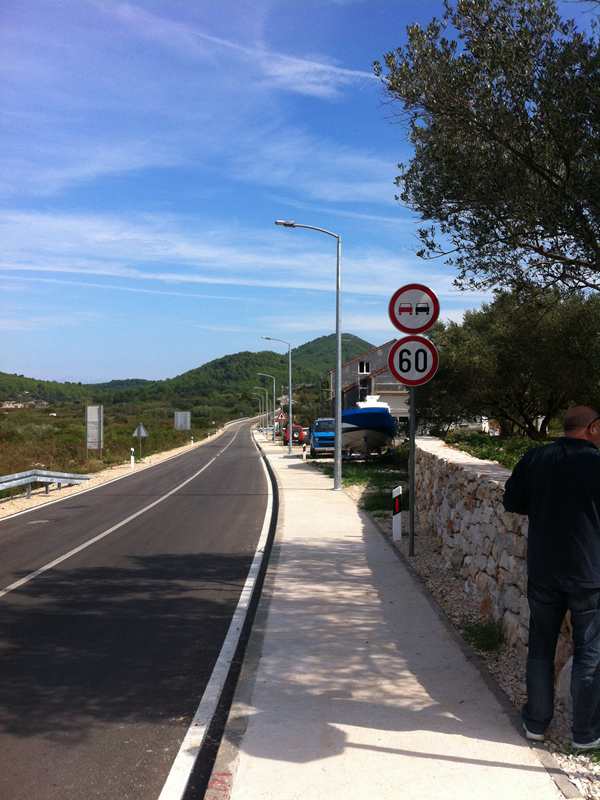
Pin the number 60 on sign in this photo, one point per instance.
(413, 360)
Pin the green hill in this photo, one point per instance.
(217, 390)
(222, 389)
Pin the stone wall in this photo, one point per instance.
(459, 499)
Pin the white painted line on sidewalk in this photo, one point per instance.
(79, 548)
(181, 770)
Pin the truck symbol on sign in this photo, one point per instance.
(420, 308)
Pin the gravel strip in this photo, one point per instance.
(506, 665)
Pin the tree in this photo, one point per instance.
(503, 106)
(517, 362)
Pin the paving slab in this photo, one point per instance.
(359, 689)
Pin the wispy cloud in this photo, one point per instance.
(145, 249)
(313, 167)
(21, 282)
(308, 76)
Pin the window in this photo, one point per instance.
(364, 389)
(364, 368)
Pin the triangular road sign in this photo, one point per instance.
(140, 432)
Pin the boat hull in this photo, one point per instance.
(367, 429)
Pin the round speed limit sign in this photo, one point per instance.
(413, 360)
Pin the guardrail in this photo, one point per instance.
(32, 476)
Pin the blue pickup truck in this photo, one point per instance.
(322, 436)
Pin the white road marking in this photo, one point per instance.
(104, 534)
(181, 770)
(208, 439)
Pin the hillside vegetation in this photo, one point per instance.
(217, 391)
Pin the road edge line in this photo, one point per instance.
(177, 780)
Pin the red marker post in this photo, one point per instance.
(413, 361)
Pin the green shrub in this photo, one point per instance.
(506, 450)
(487, 636)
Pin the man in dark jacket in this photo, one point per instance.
(558, 487)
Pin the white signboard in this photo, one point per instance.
(413, 360)
(183, 420)
(414, 308)
(94, 427)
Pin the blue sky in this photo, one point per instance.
(147, 148)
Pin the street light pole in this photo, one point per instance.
(262, 389)
(259, 397)
(290, 409)
(266, 375)
(337, 466)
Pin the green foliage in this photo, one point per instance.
(486, 636)
(219, 390)
(506, 450)
(29, 438)
(379, 475)
(215, 392)
(501, 98)
(376, 501)
(515, 360)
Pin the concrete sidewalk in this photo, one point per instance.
(354, 687)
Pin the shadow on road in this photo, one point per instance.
(131, 644)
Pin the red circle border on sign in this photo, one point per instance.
(432, 349)
(419, 287)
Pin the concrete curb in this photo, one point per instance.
(225, 765)
(552, 767)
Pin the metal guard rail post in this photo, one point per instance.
(46, 476)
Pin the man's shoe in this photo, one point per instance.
(533, 737)
(593, 745)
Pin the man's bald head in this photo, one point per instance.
(578, 418)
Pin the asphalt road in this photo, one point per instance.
(104, 657)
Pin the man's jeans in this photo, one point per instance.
(548, 608)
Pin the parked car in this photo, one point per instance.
(322, 436)
(297, 434)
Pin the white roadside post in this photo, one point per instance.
(397, 514)
(413, 361)
(132, 458)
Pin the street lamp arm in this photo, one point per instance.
(320, 230)
(273, 339)
(286, 223)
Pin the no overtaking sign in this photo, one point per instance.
(413, 360)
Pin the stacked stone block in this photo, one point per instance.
(459, 500)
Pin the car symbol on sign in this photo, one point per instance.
(405, 308)
(422, 308)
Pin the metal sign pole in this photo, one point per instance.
(411, 471)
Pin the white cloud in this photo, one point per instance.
(21, 282)
(143, 249)
(316, 78)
